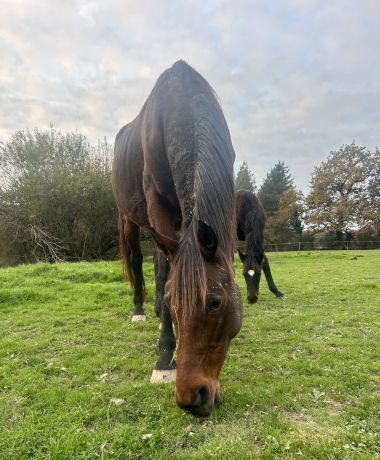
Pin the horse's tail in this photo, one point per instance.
(126, 252)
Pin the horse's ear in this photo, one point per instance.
(166, 244)
(241, 255)
(207, 239)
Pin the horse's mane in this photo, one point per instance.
(252, 214)
(254, 242)
(211, 197)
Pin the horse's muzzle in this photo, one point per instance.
(200, 405)
(252, 299)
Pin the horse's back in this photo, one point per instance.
(127, 174)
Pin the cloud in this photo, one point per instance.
(296, 79)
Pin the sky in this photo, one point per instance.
(297, 79)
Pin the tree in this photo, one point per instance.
(245, 179)
(288, 219)
(340, 189)
(371, 209)
(278, 180)
(56, 197)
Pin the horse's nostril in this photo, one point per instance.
(201, 397)
(204, 392)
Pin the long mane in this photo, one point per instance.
(254, 243)
(251, 219)
(210, 196)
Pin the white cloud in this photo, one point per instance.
(296, 79)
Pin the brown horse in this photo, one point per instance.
(250, 217)
(173, 169)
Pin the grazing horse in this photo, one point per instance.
(250, 217)
(173, 171)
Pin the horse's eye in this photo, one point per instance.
(213, 305)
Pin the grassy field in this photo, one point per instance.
(301, 381)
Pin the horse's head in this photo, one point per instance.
(206, 309)
(252, 266)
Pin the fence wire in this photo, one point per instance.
(147, 247)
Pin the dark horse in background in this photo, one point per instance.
(173, 170)
(250, 217)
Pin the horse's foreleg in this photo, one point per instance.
(268, 275)
(161, 270)
(165, 368)
(162, 219)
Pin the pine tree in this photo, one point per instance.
(245, 179)
(278, 180)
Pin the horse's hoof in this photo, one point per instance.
(163, 376)
(138, 318)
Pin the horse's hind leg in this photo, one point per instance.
(268, 275)
(132, 265)
(138, 298)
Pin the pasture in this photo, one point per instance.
(301, 380)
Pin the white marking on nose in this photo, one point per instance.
(251, 272)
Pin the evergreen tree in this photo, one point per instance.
(278, 180)
(245, 179)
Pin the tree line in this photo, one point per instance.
(56, 201)
(343, 203)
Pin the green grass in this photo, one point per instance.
(302, 379)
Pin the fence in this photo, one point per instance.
(321, 245)
(148, 246)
